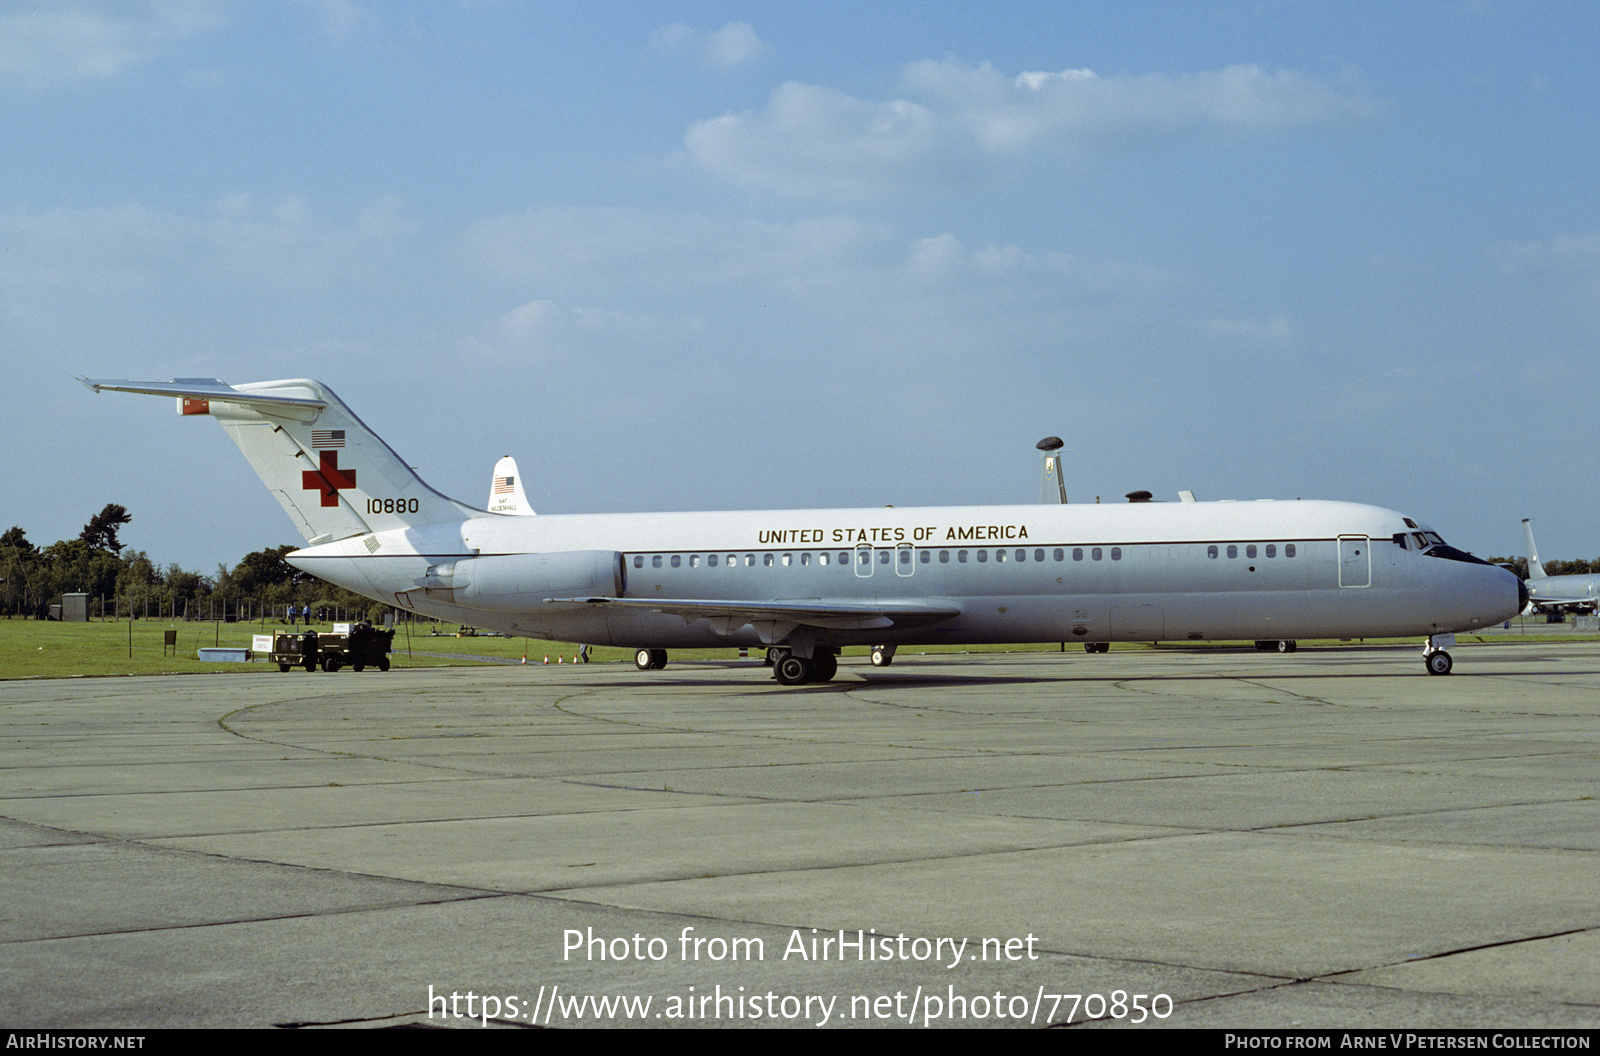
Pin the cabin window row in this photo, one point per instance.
(845, 558)
(902, 556)
(1271, 550)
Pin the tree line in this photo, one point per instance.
(122, 582)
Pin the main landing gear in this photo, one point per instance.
(650, 659)
(792, 670)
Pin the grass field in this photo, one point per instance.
(34, 649)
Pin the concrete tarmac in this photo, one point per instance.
(1205, 838)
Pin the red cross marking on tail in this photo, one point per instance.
(328, 478)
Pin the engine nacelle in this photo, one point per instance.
(522, 582)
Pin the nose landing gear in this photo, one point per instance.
(1434, 656)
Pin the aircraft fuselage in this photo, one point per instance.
(1141, 572)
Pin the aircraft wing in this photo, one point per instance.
(729, 616)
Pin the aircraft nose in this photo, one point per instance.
(1522, 594)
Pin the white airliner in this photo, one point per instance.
(807, 582)
(1576, 591)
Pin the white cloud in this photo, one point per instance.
(961, 120)
(339, 18)
(1565, 262)
(62, 45)
(1561, 252)
(1275, 330)
(834, 292)
(281, 242)
(735, 44)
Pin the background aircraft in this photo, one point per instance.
(1557, 592)
(505, 490)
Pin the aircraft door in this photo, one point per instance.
(864, 560)
(905, 561)
(1355, 561)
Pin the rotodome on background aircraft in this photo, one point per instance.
(808, 582)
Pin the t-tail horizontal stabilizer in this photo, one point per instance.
(333, 476)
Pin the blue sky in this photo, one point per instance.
(728, 256)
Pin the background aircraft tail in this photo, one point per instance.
(333, 476)
(1535, 569)
(505, 490)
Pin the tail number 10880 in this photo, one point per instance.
(392, 505)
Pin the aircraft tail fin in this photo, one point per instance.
(1535, 569)
(333, 476)
(505, 490)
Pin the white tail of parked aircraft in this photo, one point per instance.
(505, 490)
(1557, 592)
(806, 583)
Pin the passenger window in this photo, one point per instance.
(1272, 550)
(1233, 552)
(638, 560)
(677, 560)
(1116, 553)
(1250, 551)
(944, 557)
(961, 557)
(1288, 549)
(788, 559)
(927, 556)
(883, 557)
(1077, 553)
(694, 560)
(655, 562)
(749, 560)
(1095, 553)
(822, 558)
(805, 559)
(1211, 551)
(1038, 555)
(1000, 556)
(1060, 554)
(766, 559)
(1022, 555)
(983, 557)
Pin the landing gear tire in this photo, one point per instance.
(774, 655)
(824, 666)
(1439, 663)
(1288, 645)
(882, 655)
(650, 659)
(1097, 647)
(791, 670)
